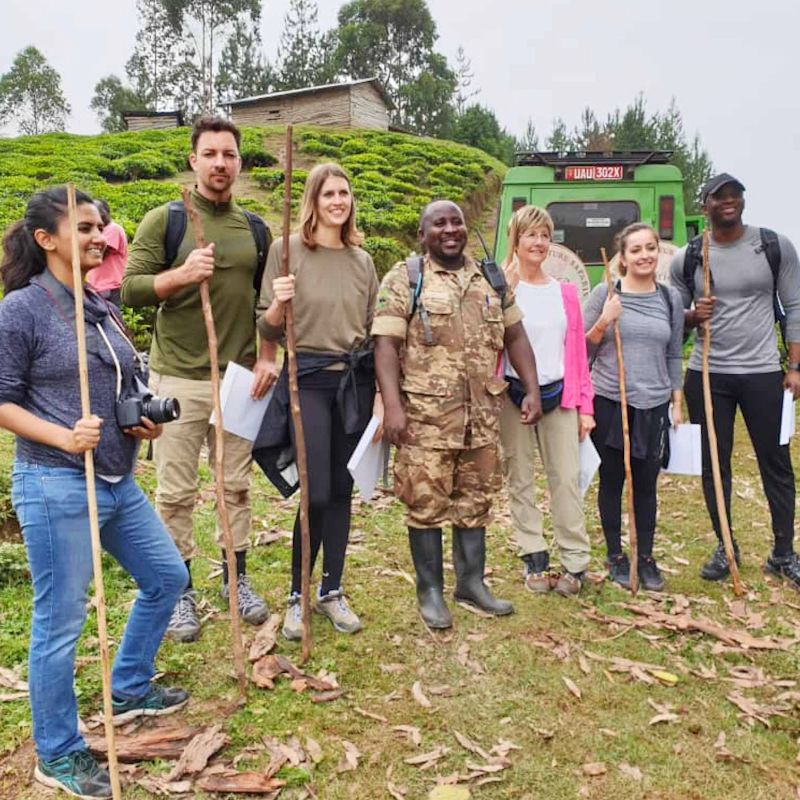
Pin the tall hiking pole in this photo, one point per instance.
(633, 542)
(91, 497)
(297, 420)
(711, 432)
(219, 454)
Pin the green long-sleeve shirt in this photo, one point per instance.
(180, 344)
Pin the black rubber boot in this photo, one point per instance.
(469, 560)
(426, 551)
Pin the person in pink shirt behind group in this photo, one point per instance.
(554, 325)
(106, 278)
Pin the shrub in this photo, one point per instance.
(252, 149)
(147, 164)
(385, 252)
(13, 564)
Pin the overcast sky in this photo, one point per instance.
(732, 65)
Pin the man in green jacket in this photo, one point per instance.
(179, 357)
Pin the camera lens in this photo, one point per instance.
(161, 409)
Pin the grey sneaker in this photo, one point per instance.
(184, 626)
(334, 606)
(76, 773)
(252, 608)
(293, 619)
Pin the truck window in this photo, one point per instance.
(586, 227)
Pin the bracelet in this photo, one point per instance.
(793, 366)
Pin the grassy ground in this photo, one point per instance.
(487, 679)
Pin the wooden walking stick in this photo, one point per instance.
(91, 497)
(711, 432)
(297, 420)
(633, 542)
(219, 454)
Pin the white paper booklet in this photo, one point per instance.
(787, 417)
(241, 415)
(589, 463)
(368, 459)
(685, 454)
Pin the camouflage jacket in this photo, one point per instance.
(451, 393)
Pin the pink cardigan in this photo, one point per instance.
(578, 390)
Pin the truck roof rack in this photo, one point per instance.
(628, 158)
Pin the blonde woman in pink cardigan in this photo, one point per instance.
(554, 325)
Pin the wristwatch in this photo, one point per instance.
(793, 366)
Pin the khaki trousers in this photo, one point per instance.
(556, 437)
(177, 454)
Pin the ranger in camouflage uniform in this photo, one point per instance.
(442, 400)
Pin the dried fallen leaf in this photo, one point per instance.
(327, 697)
(594, 769)
(632, 772)
(239, 782)
(468, 744)
(9, 678)
(370, 714)
(429, 757)
(545, 733)
(314, 750)
(667, 717)
(411, 732)
(449, 792)
(351, 756)
(583, 663)
(197, 753)
(11, 696)
(419, 695)
(397, 792)
(570, 684)
(265, 638)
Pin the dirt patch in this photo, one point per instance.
(10, 532)
(16, 774)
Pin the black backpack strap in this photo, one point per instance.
(176, 228)
(772, 250)
(415, 268)
(263, 241)
(692, 259)
(664, 290)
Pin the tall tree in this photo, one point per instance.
(393, 40)
(559, 139)
(243, 70)
(478, 126)
(31, 94)
(301, 58)
(159, 53)
(589, 135)
(530, 138)
(464, 77)
(207, 25)
(111, 98)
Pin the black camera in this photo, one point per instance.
(138, 401)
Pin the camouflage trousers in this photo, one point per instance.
(439, 486)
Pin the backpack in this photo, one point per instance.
(176, 228)
(771, 248)
(415, 268)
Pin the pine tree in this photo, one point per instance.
(243, 71)
(529, 142)
(559, 139)
(464, 77)
(301, 58)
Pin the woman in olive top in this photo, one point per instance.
(333, 288)
(650, 319)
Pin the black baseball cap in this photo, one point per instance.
(713, 185)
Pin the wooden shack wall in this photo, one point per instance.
(367, 107)
(317, 108)
(151, 123)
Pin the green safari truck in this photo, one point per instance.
(591, 196)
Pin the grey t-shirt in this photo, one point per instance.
(743, 338)
(652, 338)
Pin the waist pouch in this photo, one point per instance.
(550, 393)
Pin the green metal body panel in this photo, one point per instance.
(633, 200)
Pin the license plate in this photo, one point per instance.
(598, 222)
(594, 172)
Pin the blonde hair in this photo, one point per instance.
(351, 236)
(621, 241)
(523, 220)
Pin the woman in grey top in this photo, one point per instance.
(650, 319)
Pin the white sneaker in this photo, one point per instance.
(334, 606)
(293, 619)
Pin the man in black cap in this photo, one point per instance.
(749, 266)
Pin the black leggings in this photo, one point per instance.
(328, 449)
(760, 398)
(612, 480)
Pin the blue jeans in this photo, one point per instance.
(51, 505)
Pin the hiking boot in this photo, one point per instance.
(786, 568)
(537, 572)
(76, 773)
(252, 608)
(619, 570)
(334, 606)
(184, 626)
(569, 584)
(650, 577)
(716, 568)
(293, 619)
(158, 702)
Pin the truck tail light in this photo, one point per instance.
(666, 217)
